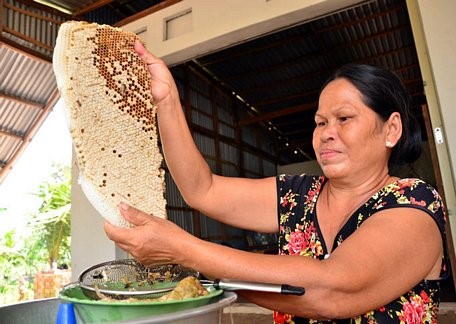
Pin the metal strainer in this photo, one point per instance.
(126, 278)
(122, 279)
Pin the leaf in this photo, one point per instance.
(52, 223)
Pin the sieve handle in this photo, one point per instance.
(265, 287)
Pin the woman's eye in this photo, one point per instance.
(344, 118)
(320, 124)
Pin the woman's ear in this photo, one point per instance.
(393, 129)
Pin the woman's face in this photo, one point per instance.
(349, 137)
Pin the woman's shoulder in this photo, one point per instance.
(413, 192)
(412, 187)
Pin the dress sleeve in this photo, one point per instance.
(290, 186)
(415, 193)
(294, 192)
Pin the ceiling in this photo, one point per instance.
(277, 75)
(280, 75)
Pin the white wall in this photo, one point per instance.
(434, 30)
(438, 19)
(89, 243)
(213, 25)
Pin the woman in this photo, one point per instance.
(365, 245)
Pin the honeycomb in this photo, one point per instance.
(105, 87)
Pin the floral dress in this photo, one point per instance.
(300, 235)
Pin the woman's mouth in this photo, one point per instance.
(328, 154)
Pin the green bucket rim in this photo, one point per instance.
(63, 295)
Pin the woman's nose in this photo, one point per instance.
(327, 132)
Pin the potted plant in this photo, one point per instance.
(52, 232)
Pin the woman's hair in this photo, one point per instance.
(382, 91)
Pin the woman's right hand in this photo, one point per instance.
(151, 240)
(162, 85)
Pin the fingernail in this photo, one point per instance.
(139, 43)
(124, 206)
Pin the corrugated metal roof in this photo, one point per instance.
(27, 93)
(27, 83)
(26, 77)
(280, 74)
(71, 6)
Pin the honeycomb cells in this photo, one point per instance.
(112, 120)
(126, 76)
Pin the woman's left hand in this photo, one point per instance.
(151, 240)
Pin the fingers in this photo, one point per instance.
(133, 215)
(117, 234)
(162, 83)
(144, 54)
(139, 47)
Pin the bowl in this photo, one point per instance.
(95, 311)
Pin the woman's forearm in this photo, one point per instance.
(261, 268)
(187, 166)
(225, 199)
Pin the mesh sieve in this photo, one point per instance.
(122, 279)
(126, 278)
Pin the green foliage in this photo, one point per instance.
(50, 239)
(52, 223)
(16, 268)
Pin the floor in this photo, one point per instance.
(246, 313)
(447, 313)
